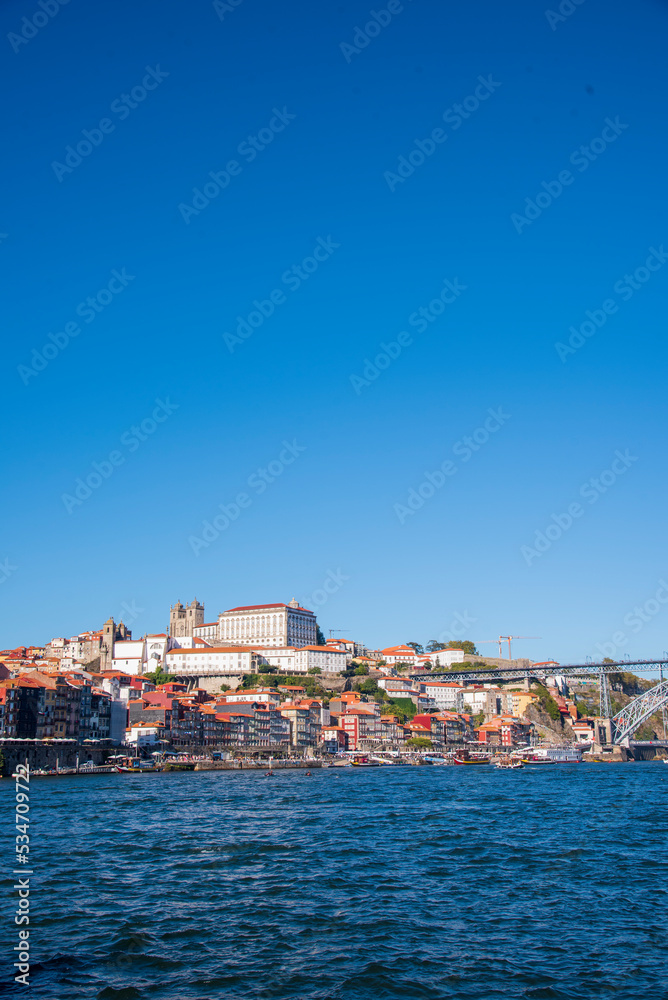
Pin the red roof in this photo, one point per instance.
(259, 607)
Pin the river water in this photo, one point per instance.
(413, 882)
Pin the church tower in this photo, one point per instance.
(107, 644)
(183, 620)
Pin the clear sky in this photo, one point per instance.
(335, 194)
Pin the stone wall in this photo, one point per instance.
(46, 755)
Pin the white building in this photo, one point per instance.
(267, 625)
(400, 654)
(156, 647)
(300, 661)
(490, 700)
(446, 695)
(208, 631)
(212, 660)
(265, 695)
(396, 683)
(445, 657)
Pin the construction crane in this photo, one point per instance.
(336, 630)
(509, 637)
(503, 638)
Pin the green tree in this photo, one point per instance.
(158, 676)
(417, 647)
(319, 637)
(466, 645)
(419, 743)
(434, 645)
(314, 670)
(362, 670)
(547, 703)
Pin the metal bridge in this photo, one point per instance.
(623, 724)
(584, 670)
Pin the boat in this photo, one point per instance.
(178, 765)
(508, 765)
(133, 765)
(553, 755)
(471, 760)
(365, 762)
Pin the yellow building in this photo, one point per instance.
(521, 701)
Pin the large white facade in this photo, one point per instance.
(268, 625)
(300, 661)
(446, 657)
(446, 695)
(211, 660)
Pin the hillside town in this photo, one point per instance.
(260, 677)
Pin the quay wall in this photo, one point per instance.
(45, 756)
(254, 765)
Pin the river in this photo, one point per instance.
(351, 884)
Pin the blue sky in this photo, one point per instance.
(333, 125)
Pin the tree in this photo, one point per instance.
(158, 676)
(319, 637)
(417, 647)
(314, 670)
(434, 645)
(419, 743)
(466, 645)
(362, 670)
(370, 686)
(548, 704)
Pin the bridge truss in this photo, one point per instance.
(561, 670)
(625, 723)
